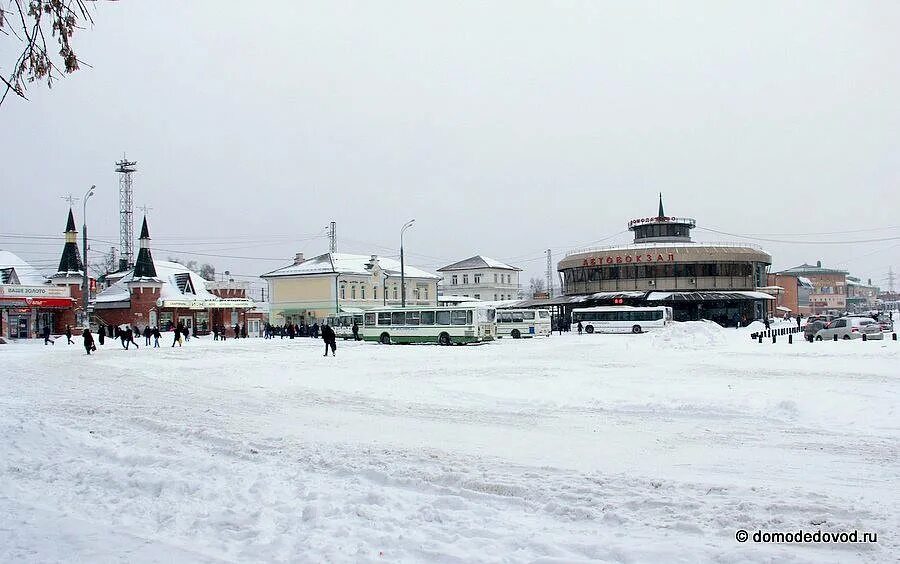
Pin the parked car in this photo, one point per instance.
(813, 327)
(850, 328)
(886, 325)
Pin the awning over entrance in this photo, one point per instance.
(234, 303)
(706, 296)
(782, 308)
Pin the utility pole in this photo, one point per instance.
(890, 279)
(85, 283)
(549, 273)
(406, 226)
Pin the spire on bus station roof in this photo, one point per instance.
(143, 266)
(661, 212)
(70, 261)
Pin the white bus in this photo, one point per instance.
(342, 324)
(523, 323)
(441, 325)
(621, 319)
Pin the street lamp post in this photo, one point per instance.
(406, 226)
(85, 284)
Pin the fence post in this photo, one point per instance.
(773, 338)
(835, 336)
(864, 337)
(790, 339)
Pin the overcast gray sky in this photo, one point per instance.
(503, 128)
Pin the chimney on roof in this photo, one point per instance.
(819, 263)
(870, 281)
(298, 259)
(373, 258)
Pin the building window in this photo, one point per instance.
(426, 292)
(477, 296)
(343, 293)
(465, 278)
(395, 293)
(477, 278)
(353, 292)
(508, 279)
(374, 292)
(495, 295)
(362, 291)
(453, 280)
(416, 293)
(495, 281)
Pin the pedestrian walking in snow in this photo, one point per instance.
(330, 339)
(156, 337)
(315, 330)
(101, 334)
(766, 321)
(177, 338)
(69, 340)
(798, 320)
(580, 328)
(355, 331)
(46, 333)
(88, 341)
(237, 331)
(244, 330)
(147, 333)
(215, 332)
(131, 334)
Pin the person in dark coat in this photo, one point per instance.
(237, 331)
(244, 330)
(147, 333)
(290, 330)
(129, 334)
(46, 333)
(88, 341)
(766, 321)
(315, 330)
(330, 339)
(799, 317)
(580, 328)
(177, 338)
(69, 340)
(223, 334)
(355, 331)
(215, 332)
(101, 334)
(156, 337)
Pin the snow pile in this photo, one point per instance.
(689, 335)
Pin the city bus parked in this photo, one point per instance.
(441, 325)
(342, 324)
(523, 323)
(622, 319)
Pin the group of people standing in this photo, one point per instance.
(220, 332)
(291, 330)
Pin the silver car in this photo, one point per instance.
(851, 328)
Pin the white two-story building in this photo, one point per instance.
(480, 278)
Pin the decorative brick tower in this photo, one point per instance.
(144, 286)
(69, 274)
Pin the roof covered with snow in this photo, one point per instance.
(27, 274)
(343, 263)
(478, 261)
(177, 283)
(813, 270)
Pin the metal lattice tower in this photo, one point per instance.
(332, 238)
(549, 273)
(125, 168)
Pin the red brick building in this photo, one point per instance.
(163, 294)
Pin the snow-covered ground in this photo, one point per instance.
(620, 448)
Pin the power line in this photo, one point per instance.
(769, 240)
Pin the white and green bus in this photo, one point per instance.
(342, 324)
(441, 325)
(621, 319)
(523, 323)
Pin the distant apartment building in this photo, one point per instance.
(792, 293)
(829, 292)
(480, 278)
(861, 297)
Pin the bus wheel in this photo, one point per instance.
(515, 334)
(589, 328)
(636, 329)
(444, 339)
(385, 339)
